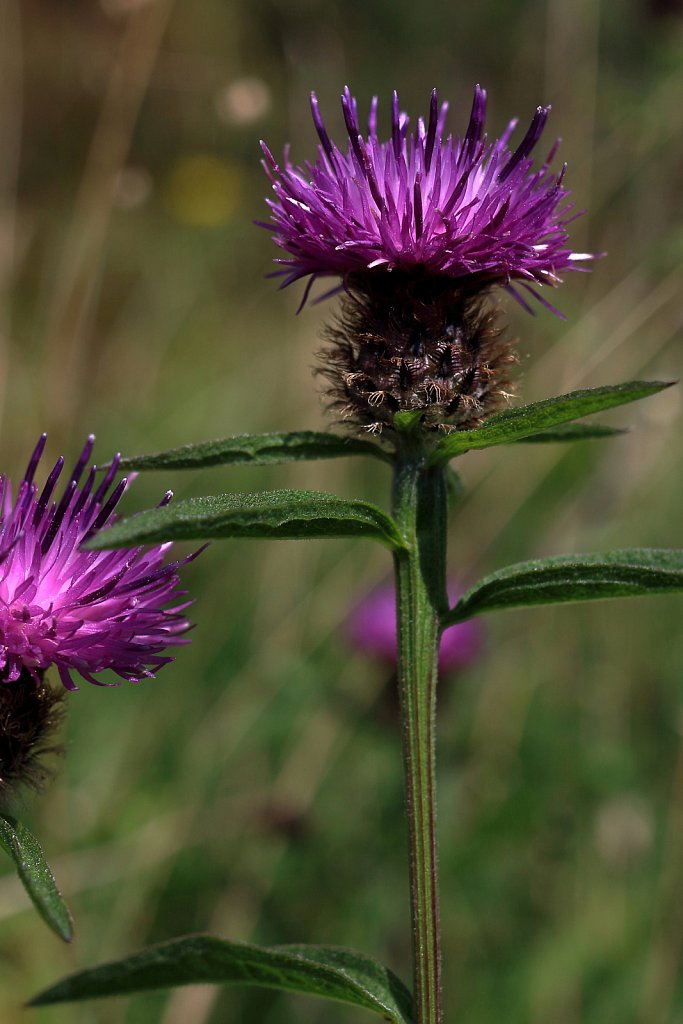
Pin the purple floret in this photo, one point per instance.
(457, 207)
(81, 611)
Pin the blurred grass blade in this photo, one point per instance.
(326, 971)
(567, 578)
(283, 515)
(257, 450)
(35, 875)
(518, 424)
(455, 486)
(573, 432)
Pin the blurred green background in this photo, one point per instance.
(254, 790)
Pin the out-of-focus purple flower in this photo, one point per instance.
(459, 207)
(81, 611)
(371, 628)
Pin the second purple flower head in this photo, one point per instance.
(79, 612)
(82, 612)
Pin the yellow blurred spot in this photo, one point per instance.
(202, 191)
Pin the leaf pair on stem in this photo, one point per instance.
(332, 972)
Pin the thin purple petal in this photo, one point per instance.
(451, 206)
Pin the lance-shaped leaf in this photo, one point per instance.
(566, 578)
(257, 450)
(326, 971)
(573, 432)
(283, 515)
(517, 424)
(35, 875)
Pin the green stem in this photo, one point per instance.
(419, 506)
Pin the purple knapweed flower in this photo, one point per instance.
(81, 611)
(371, 628)
(457, 207)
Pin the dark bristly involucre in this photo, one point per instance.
(82, 612)
(404, 342)
(454, 206)
(30, 714)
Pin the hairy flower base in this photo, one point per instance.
(30, 714)
(410, 341)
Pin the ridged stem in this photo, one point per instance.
(419, 506)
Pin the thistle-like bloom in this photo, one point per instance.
(456, 207)
(371, 628)
(81, 611)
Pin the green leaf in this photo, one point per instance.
(408, 422)
(573, 432)
(566, 578)
(257, 450)
(327, 971)
(518, 424)
(284, 515)
(35, 875)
